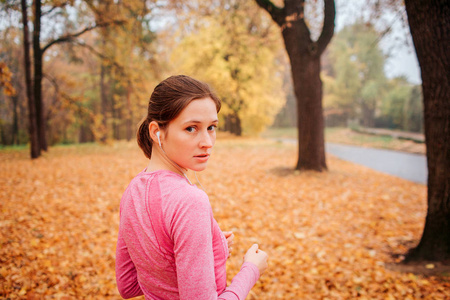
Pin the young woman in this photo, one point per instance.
(169, 245)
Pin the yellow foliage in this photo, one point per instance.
(240, 65)
(5, 80)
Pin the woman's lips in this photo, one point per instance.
(202, 157)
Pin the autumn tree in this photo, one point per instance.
(39, 11)
(7, 90)
(9, 11)
(35, 146)
(127, 65)
(430, 30)
(304, 54)
(234, 48)
(5, 79)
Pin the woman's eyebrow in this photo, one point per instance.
(196, 121)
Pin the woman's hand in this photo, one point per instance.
(257, 257)
(230, 237)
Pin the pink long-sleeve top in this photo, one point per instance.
(170, 246)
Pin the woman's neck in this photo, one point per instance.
(160, 161)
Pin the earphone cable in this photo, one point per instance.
(195, 173)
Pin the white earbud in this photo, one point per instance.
(174, 163)
(159, 140)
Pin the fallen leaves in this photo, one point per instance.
(328, 235)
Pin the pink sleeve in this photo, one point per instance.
(192, 236)
(126, 274)
(242, 283)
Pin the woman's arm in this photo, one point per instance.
(242, 283)
(194, 257)
(126, 274)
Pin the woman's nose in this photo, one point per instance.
(206, 140)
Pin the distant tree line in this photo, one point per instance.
(93, 64)
(76, 67)
(98, 70)
(356, 89)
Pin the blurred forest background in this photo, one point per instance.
(80, 72)
(101, 60)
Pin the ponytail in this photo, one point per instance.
(144, 140)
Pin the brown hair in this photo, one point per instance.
(167, 101)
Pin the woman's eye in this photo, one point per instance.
(212, 127)
(190, 129)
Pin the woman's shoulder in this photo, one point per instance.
(161, 176)
(173, 186)
(180, 201)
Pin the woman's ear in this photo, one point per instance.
(153, 129)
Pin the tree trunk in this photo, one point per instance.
(85, 134)
(15, 125)
(227, 125)
(237, 125)
(430, 30)
(117, 121)
(233, 124)
(115, 112)
(37, 52)
(308, 91)
(304, 55)
(368, 115)
(129, 119)
(35, 148)
(104, 102)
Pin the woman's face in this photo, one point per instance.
(189, 138)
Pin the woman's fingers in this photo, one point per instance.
(229, 236)
(257, 257)
(227, 233)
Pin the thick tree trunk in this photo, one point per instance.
(35, 148)
(233, 124)
(304, 55)
(85, 135)
(37, 53)
(237, 125)
(430, 30)
(310, 121)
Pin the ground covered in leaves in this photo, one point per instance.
(331, 235)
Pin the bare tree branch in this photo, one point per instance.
(71, 37)
(119, 67)
(54, 7)
(55, 98)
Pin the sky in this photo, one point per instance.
(403, 59)
(397, 45)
